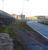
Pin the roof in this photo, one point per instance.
(5, 18)
(4, 14)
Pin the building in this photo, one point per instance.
(6, 18)
(14, 15)
(21, 17)
(41, 18)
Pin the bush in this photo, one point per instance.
(8, 29)
(45, 21)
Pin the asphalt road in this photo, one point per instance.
(40, 28)
(31, 40)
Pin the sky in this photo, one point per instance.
(28, 7)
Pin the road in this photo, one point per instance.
(30, 40)
(40, 28)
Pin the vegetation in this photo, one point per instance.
(45, 21)
(10, 29)
(19, 23)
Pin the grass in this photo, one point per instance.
(10, 28)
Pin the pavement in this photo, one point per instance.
(28, 42)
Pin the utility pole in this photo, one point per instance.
(22, 6)
(23, 3)
(22, 13)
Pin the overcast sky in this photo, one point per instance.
(31, 7)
